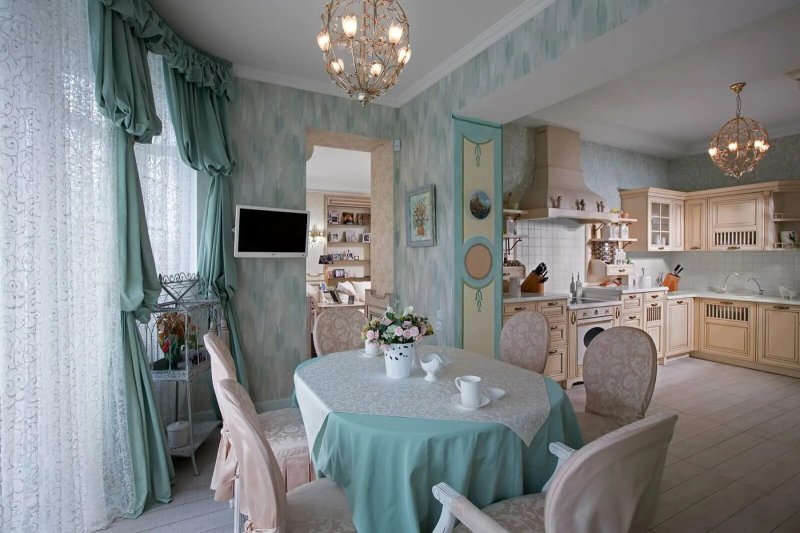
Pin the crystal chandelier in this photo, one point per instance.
(740, 143)
(364, 45)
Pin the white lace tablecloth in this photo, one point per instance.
(348, 382)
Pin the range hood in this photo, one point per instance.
(558, 189)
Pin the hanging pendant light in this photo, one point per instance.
(740, 143)
(364, 45)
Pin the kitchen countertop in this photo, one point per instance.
(755, 298)
(625, 289)
(531, 297)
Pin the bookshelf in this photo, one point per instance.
(348, 219)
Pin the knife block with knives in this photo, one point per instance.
(534, 283)
(673, 279)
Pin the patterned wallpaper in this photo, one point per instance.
(698, 172)
(268, 126)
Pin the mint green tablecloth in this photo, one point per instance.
(387, 465)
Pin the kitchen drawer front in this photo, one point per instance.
(619, 270)
(631, 320)
(632, 301)
(554, 310)
(654, 296)
(558, 333)
(596, 312)
(511, 309)
(556, 368)
(728, 329)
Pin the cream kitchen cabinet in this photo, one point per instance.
(555, 311)
(728, 330)
(695, 222)
(679, 327)
(660, 219)
(779, 335)
(736, 222)
(654, 325)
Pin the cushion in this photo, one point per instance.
(346, 287)
(318, 507)
(361, 288)
(287, 437)
(313, 292)
(594, 426)
(523, 513)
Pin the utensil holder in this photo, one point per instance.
(671, 282)
(532, 284)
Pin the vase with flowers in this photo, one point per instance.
(396, 334)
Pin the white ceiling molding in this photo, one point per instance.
(498, 30)
(513, 20)
(775, 132)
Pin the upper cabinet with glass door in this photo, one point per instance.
(660, 215)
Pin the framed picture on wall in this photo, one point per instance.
(334, 237)
(338, 272)
(367, 237)
(348, 218)
(421, 217)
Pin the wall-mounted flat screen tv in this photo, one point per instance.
(270, 232)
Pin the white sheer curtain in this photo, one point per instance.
(65, 462)
(168, 189)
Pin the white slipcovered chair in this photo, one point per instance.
(525, 341)
(338, 330)
(609, 486)
(619, 373)
(283, 428)
(318, 506)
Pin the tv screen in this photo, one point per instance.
(267, 232)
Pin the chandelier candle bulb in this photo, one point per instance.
(324, 41)
(375, 70)
(349, 25)
(395, 33)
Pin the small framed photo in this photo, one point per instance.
(350, 236)
(338, 272)
(334, 236)
(348, 218)
(356, 257)
(349, 256)
(334, 296)
(336, 257)
(333, 217)
(367, 237)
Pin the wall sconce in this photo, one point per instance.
(316, 235)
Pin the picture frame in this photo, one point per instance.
(357, 258)
(334, 296)
(421, 217)
(367, 237)
(334, 236)
(333, 217)
(348, 218)
(350, 236)
(338, 273)
(336, 257)
(349, 256)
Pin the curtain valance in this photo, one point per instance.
(196, 66)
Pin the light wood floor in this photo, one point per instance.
(733, 464)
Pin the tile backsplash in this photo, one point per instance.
(705, 269)
(560, 243)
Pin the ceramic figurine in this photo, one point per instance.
(582, 205)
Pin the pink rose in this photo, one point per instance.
(407, 334)
(385, 321)
(398, 331)
(414, 331)
(370, 335)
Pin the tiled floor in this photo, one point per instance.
(734, 462)
(733, 465)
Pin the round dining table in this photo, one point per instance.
(386, 442)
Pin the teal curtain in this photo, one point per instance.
(124, 94)
(199, 115)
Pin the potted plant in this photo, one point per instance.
(396, 335)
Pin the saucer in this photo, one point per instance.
(494, 393)
(363, 353)
(456, 399)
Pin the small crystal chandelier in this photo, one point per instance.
(740, 143)
(364, 45)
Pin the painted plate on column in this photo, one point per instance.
(478, 261)
(480, 205)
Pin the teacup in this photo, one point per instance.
(470, 388)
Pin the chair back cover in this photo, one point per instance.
(619, 372)
(222, 367)
(338, 330)
(612, 484)
(525, 341)
(261, 485)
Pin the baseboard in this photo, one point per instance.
(269, 405)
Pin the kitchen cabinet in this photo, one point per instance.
(653, 316)
(779, 335)
(695, 222)
(660, 219)
(728, 330)
(555, 311)
(679, 327)
(736, 222)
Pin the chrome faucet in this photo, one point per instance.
(754, 280)
(725, 284)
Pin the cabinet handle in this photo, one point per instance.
(573, 319)
(679, 302)
(726, 303)
(553, 328)
(616, 312)
(733, 247)
(632, 296)
(553, 352)
(621, 270)
(653, 305)
(551, 304)
(654, 296)
(632, 317)
(783, 307)
(660, 247)
(520, 308)
(694, 248)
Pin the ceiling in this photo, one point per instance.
(338, 170)
(274, 41)
(672, 107)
